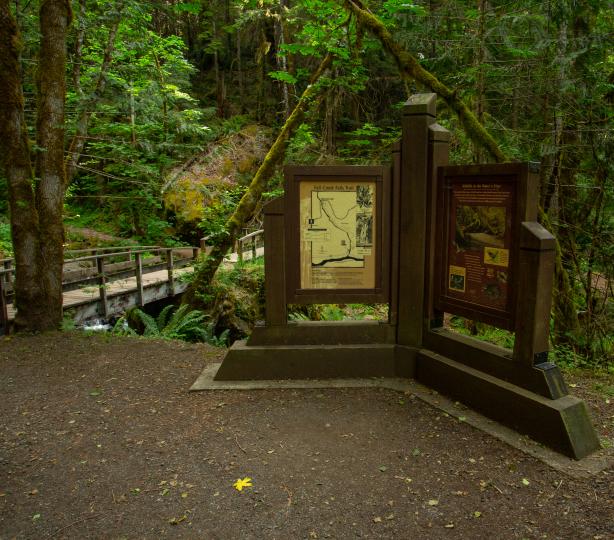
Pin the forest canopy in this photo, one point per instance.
(174, 104)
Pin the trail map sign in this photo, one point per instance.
(337, 223)
(481, 208)
(335, 232)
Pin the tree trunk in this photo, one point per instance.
(15, 155)
(249, 202)
(50, 171)
(480, 59)
(36, 215)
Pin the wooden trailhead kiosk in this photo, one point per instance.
(427, 239)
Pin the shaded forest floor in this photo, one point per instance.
(100, 438)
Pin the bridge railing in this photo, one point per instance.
(252, 240)
(104, 266)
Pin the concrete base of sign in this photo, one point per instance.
(562, 424)
(254, 362)
(584, 468)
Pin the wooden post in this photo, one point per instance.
(4, 314)
(102, 286)
(169, 268)
(274, 264)
(138, 262)
(203, 245)
(535, 278)
(439, 142)
(239, 250)
(393, 307)
(418, 114)
(195, 253)
(254, 248)
(8, 265)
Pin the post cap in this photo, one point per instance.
(535, 237)
(421, 104)
(438, 133)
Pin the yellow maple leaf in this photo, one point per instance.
(242, 483)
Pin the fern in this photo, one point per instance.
(163, 317)
(151, 328)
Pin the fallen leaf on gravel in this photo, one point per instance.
(433, 502)
(449, 525)
(462, 418)
(184, 495)
(164, 492)
(525, 482)
(416, 452)
(383, 468)
(95, 392)
(34, 492)
(242, 483)
(477, 514)
(390, 516)
(377, 519)
(406, 478)
(36, 517)
(176, 521)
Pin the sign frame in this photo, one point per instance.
(520, 180)
(297, 175)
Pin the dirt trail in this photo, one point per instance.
(93, 234)
(101, 439)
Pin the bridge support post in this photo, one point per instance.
(102, 286)
(169, 268)
(138, 262)
(4, 314)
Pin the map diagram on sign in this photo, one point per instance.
(339, 225)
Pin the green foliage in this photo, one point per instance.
(338, 312)
(483, 332)
(6, 244)
(224, 201)
(181, 323)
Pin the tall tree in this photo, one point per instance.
(36, 190)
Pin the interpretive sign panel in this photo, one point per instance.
(334, 233)
(480, 210)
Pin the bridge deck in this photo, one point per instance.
(81, 299)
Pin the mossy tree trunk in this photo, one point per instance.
(249, 202)
(36, 193)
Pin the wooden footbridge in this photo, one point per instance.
(104, 282)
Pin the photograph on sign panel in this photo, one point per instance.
(479, 226)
